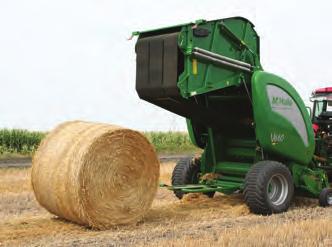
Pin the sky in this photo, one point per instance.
(70, 59)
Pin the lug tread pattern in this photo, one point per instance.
(182, 174)
(255, 185)
(323, 197)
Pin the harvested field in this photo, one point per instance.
(194, 221)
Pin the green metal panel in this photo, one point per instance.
(282, 123)
(241, 152)
(240, 42)
(192, 136)
(311, 181)
(233, 168)
(224, 186)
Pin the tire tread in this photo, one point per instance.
(255, 187)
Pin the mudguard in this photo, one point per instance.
(282, 123)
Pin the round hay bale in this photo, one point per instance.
(95, 174)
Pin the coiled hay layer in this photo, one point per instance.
(95, 174)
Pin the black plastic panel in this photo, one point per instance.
(157, 63)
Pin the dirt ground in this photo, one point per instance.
(194, 221)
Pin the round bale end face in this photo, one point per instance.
(95, 174)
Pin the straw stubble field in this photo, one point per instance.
(194, 221)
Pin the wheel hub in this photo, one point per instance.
(277, 189)
(329, 198)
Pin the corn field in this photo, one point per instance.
(170, 142)
(24, 142)
(19, 141)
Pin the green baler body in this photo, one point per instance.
(239, 116)
(282, 123)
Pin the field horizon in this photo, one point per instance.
(22, 143)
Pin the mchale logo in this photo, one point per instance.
(281, 101)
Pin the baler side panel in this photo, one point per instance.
(282, 123)
(210, 77)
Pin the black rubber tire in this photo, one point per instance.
(257, 183)
(209, 194)
(324, 197)
(186, 171)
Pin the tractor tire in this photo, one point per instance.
(268, 188)
(325, 197)
(186, 171)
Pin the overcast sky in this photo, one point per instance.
(69, 59)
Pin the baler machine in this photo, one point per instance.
(253, 126)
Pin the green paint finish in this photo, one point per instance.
(208, 158)
(282, 123)
(241, 152)
(242, 143)
(224, 186)
(191, 132)
(311, 181)
(233, 168)
(211, 77)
